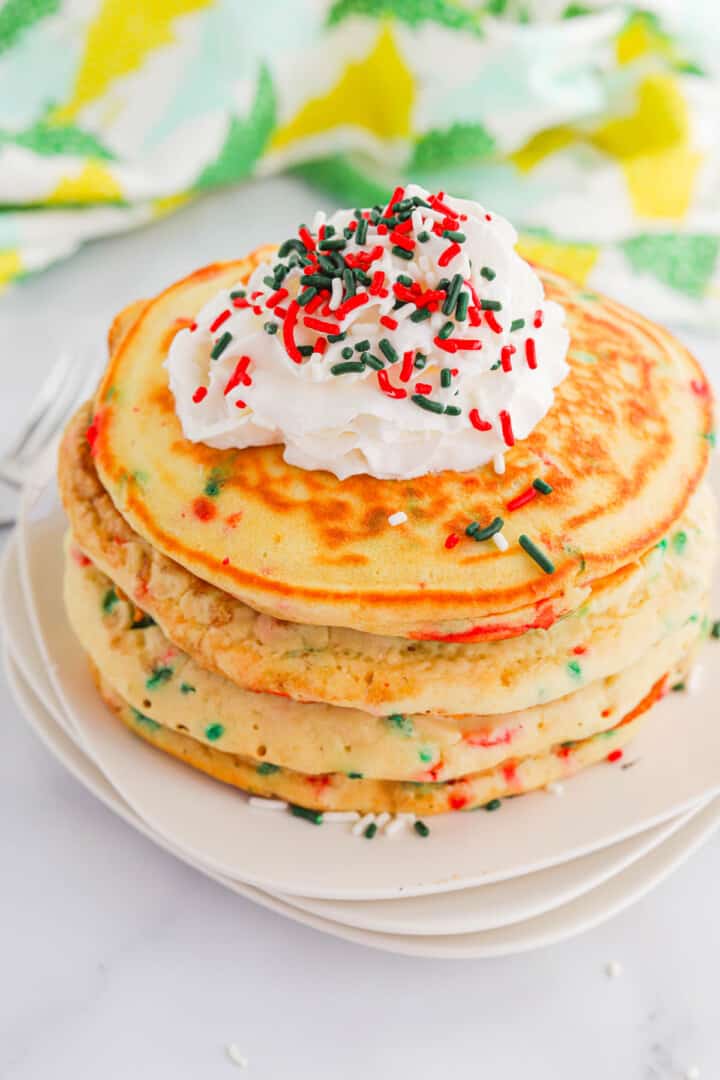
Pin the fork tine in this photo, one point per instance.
(54, 416)
(48, 389)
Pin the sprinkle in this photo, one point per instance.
(239, 375)
(238, 294)
(505, 353)
(109, 601)
(522, 499)
(388, 351)
(494, 804)
(449, 254)
(267, 804)
(421, 828)
(461, 308)
(536, 554)
(186, 688)
(477, 421)
(370, 831)
(489, 530)
(362, 824)
(506, 425)
(373, 362)
(402, 253)
(313, 816)
(420, 361)
(614, 969)
(382, 819)
(451, 541)
(517, 324)
(199, 394)
(487, 273)
(362, 346)
(423, 236)
(538, 320)
(715, 630)
(214, 731)
(541, 486)
(500, 541)
(499, 464)
(158, 676)
(395, 826)
(398, 518)
(321, 325)
(276, 298)
(347, 367)
(407, 366)
(336, 243)
(530, 353)
(346, 353)
(221, 345)
(288, 328)
(427, 404)
(387, 387)
(446, 330)
(491, 305)
(270, 327)
(458, 344)
(614, 756)
(337, 817)
(336, 337)
(233, 1052)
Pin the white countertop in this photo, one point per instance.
(117, 961)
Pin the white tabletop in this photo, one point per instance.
(116, 961)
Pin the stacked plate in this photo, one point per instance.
(550, 865)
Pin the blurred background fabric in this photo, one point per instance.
(595, 127)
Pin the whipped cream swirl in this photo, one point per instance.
(396, 342)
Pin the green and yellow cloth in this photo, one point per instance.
(594, 127)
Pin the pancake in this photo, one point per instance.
(622, 617)
(336, 791)
(168, 687)
(623, 447)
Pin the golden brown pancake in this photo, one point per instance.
(624, 446)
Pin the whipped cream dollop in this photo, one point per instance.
(396, 341)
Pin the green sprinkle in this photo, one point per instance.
(453, 291)
(293, 244)
(403, 279)
(423, 236)
(662, 544)
(388, 351)
(355, 775)
(266, 768)
(109, 601)
(426, 755)
(679, 541)
(541, 486)
(487, 273)
(332, 338)
(427, 403)
(268, 280)
(214, 483)
(143, 622)
(574, 669)
(336, 243)
(270, 327)
(187, 688)
(329, 230)
(347, 367)
(361, 231)
(421, 314)
(461, 308)
(445, 377)
(321, 280)
(711, 438)
(401, 723)
(491, 305)
(159, 676)
(306, 296)
(238, 294)
(517, 324)
(715, 629)
(347, 233)
(362, 346)
(313, 816)
(373, 362)
(446, 330)
(349, 282)
(221, 345)
(536, 554)
(328, 265)
(421, 828)
(401, 252)
(494, 804)
(472, 528)
(458, 237)
(452, 410)
(418, 201)
(489, 531)
(145, 721)
(305, 350)
(420, 360)
(214, 731)
(346, 353)
(678, 687)
(370, 831)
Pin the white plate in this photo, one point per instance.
(465, 911)
(678, 755)
(582, 914)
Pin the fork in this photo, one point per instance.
(69, 381)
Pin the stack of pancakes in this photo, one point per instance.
(269, 625)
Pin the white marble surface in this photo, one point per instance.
(116, 961)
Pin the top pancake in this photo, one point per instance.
(624, 446)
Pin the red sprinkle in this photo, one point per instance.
(702, 389)
(351, 304)
(477, 421)
(193, 327)
(530, 353)
(276, 297)
(396, 196)
(615, 755)
(521, 500)
(241, 302)
(474, 316)
(505, 353)
(538, 320)
(407, 365)
(306, 239)
(92, 433)
(402, 241)
(288, 328)
(222, 317)
(203, 509)
(423, 388)
(315, 303)
(449, 254)
(377, 282)
(387, 387)
(240, 404)
(493, 323)
(199, 394)
(506, 424)
(321, 326)
(453, 345)
(386, 320)
(238, 376)
(452, 541)
(382, 229)
(320, 345)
